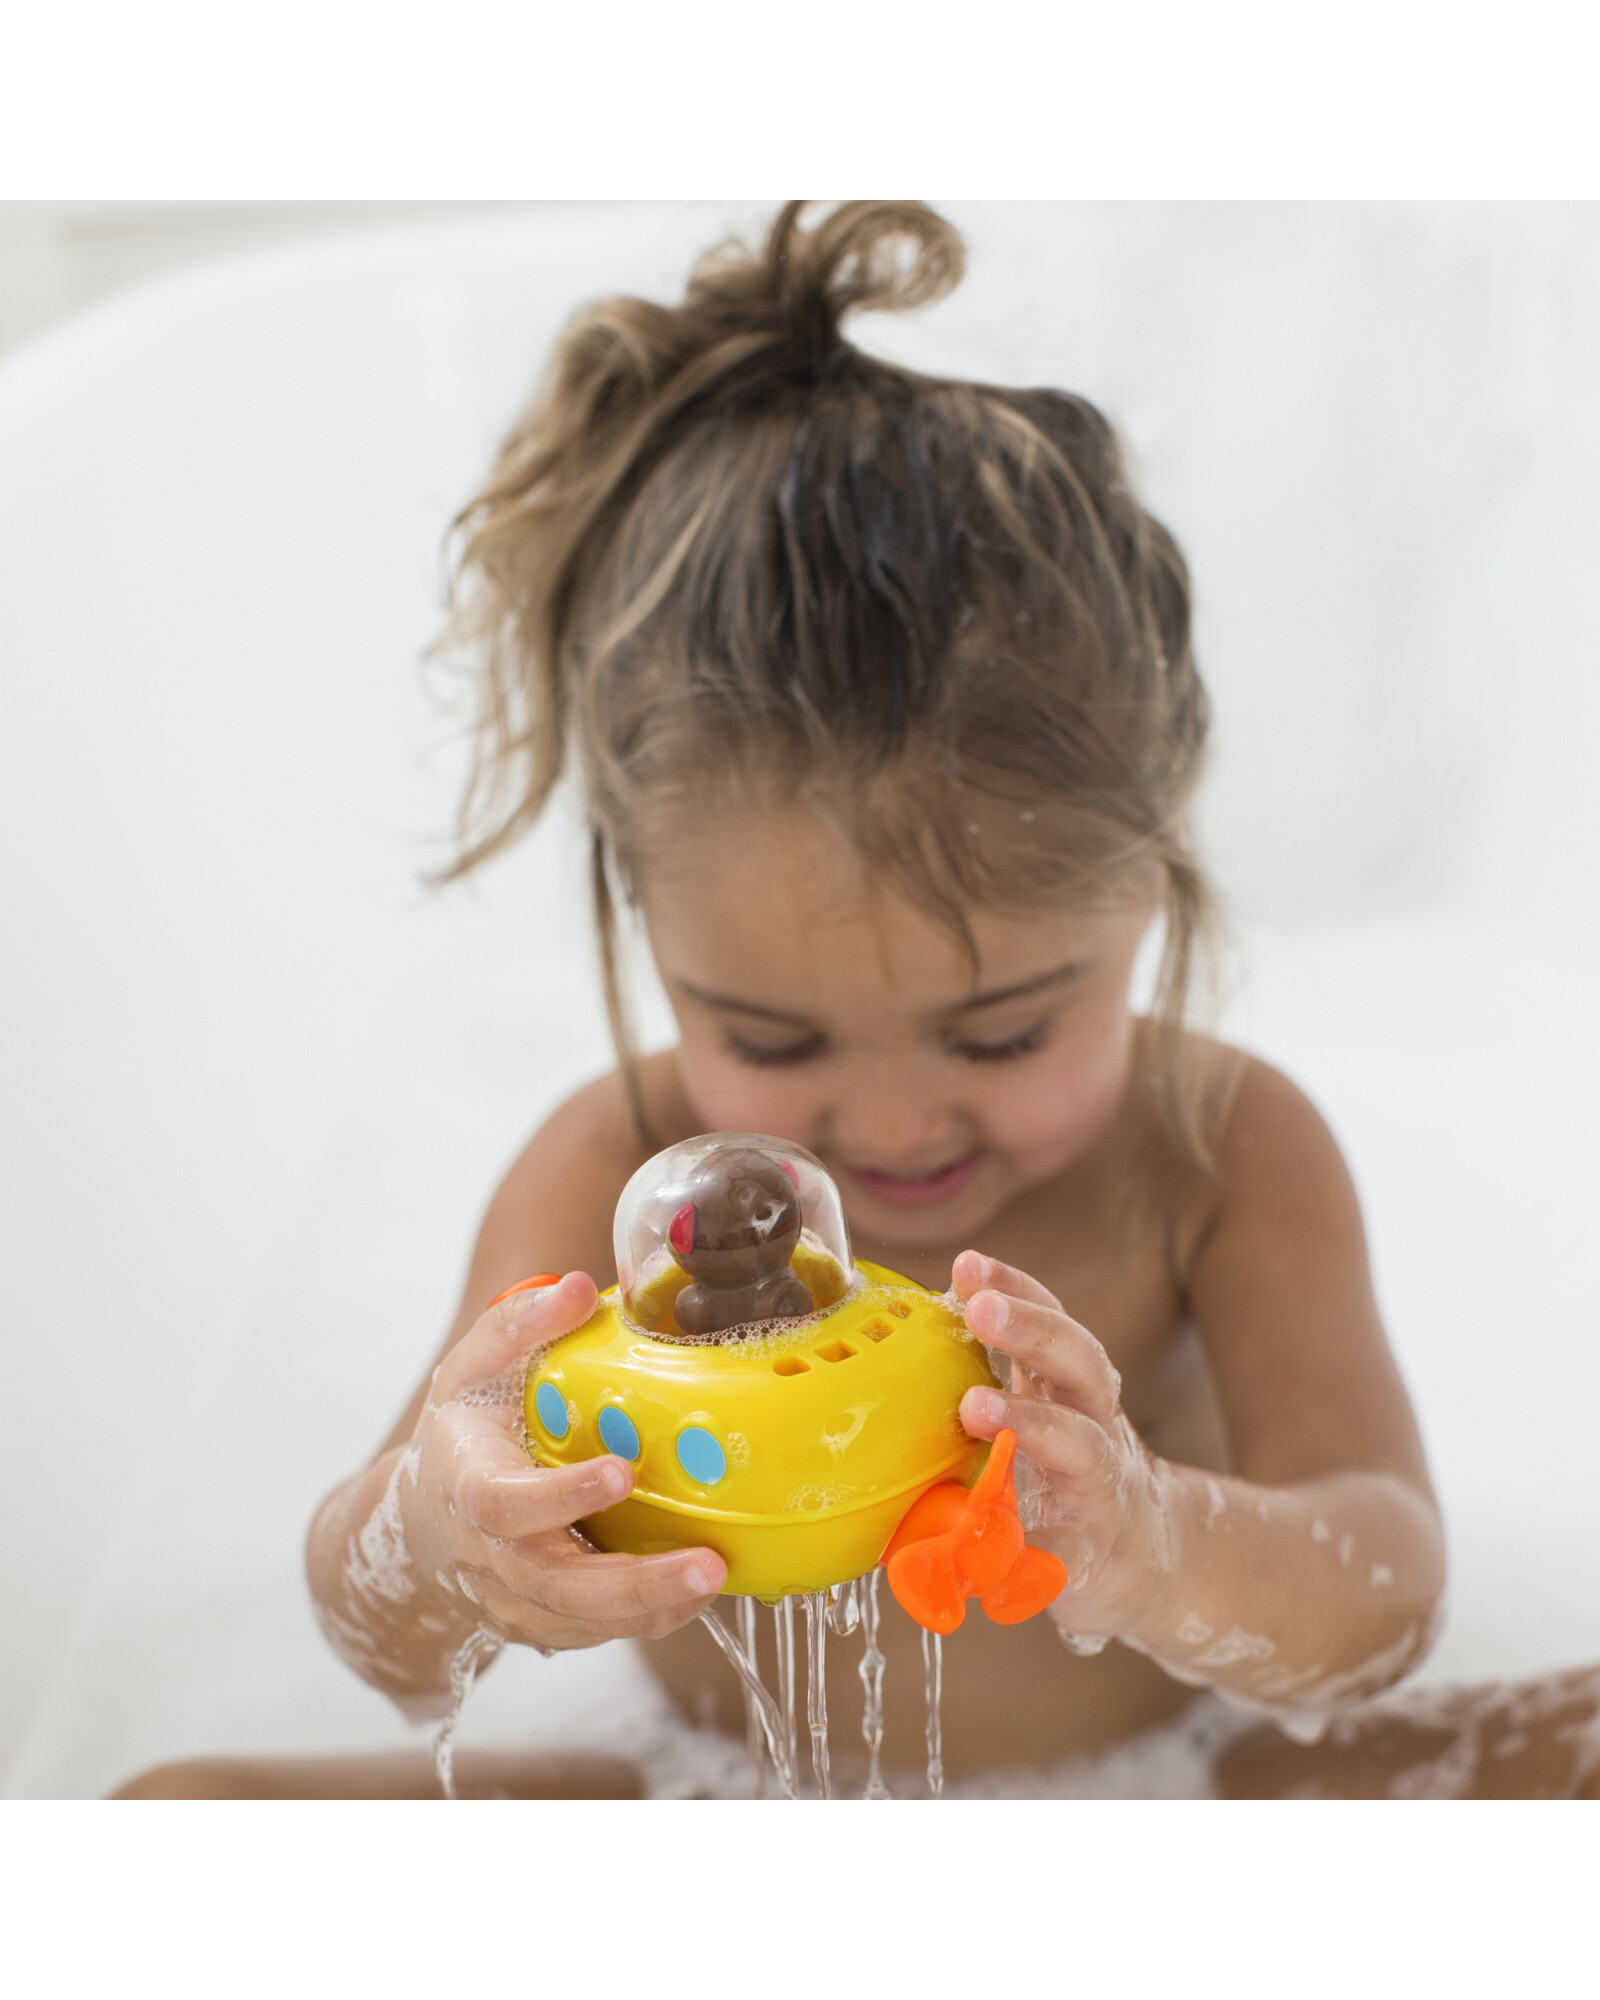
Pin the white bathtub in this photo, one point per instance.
(257, 1083)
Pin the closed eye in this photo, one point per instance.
(772, 1055)
(1014, 1046)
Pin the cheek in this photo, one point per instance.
(1055, 1103)
(733, 1096)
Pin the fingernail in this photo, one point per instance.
(987, 1406)
(697, 1580)
(611, 1479)
(524, 1288)
(999, 1311)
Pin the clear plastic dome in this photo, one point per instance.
(730, 1230)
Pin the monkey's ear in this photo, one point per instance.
(788, 1167)
(680, 1231)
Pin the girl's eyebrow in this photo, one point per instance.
(1058, 976)
(729, 1004)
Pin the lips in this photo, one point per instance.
(916, 1187)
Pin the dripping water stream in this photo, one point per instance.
(933, 1689)
(474, 1653)
(771, 1724)
(752, 1714)
(817, 1687)
(783, 1632)
(871, 1672)
(844, 1607)
(767, 1710)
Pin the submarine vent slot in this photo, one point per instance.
(877, 1329)
(899, 1307)
(837, 1350)
(791, 1364)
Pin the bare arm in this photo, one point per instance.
(1314, 1574)
(1328, 1546)
(450, 1530)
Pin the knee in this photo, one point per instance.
(191, 1778)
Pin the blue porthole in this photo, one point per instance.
(617, 1432)
(552, 1407)
(701, 1456)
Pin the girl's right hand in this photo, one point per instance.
(490, 1530)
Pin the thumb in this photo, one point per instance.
(515, 1326)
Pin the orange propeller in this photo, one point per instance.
(954, 1544)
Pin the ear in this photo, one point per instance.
(680, 1231)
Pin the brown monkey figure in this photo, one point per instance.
(734, 1236)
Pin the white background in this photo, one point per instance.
(258, 1083)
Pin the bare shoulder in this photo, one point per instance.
(1278, 1281)
(1271, 1153)
(554, 1207)
(1275, 1154)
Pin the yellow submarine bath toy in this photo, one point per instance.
(779, 1402)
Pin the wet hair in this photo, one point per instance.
(727, 554)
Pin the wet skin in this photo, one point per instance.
(1017, 1694)
(1013, 1107)
(1026, 1105)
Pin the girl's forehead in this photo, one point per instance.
(738, 857)
(760, 901)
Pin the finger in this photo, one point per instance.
(590, 1588)
(512, 1330)
(973, 1272)
(1051, 1347)
(501, 1494)
(1064, 1442)
(537, 1283)
(525, 1623)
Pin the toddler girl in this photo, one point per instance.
(881, 694)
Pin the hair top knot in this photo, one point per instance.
(803, 284)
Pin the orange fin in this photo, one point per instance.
(954, 1544)
(928, 1585)
(1036, 1580)
(987, 1548)
(939, 1511)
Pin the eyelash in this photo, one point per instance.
(791, 1053)
(772, 1058)
(1019, 1045)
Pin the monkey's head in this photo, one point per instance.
(741, 1222)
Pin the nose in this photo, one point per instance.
(884, 1120)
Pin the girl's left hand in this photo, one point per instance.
(1097, 1497)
